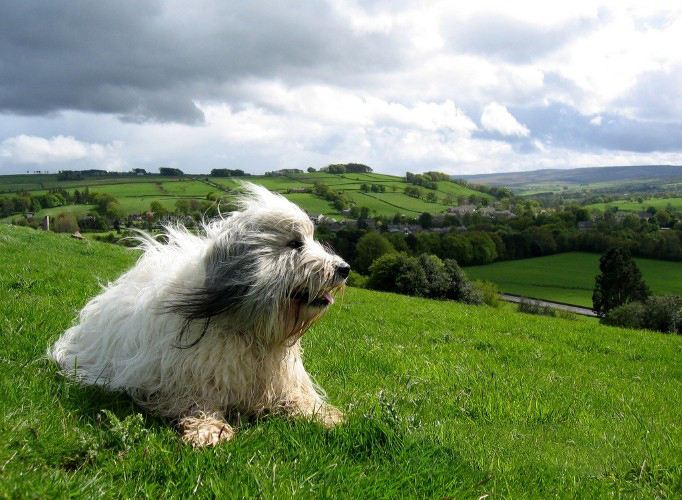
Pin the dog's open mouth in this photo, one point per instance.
(324, 299)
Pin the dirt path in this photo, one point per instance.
(584, 311)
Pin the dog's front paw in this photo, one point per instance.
(204, 431)
(330, 416)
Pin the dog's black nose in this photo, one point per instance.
(343, 270)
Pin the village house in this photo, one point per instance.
(462, 209)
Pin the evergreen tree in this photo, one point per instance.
(619, 282)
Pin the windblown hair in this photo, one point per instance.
(212, 320)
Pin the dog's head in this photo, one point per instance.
(264, 271)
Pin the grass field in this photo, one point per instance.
(635, 206)
(443, 400)
(135, 193)
(569, 277)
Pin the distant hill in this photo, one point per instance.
(579, 176)
(383, 195)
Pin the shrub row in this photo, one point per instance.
(661, 313)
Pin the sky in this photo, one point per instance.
(400, 86)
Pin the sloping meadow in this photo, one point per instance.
(442, 400)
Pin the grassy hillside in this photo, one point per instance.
(569, 277)
(442, 400)
(135, 193)
(635, 206)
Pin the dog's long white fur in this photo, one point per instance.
(249, 359)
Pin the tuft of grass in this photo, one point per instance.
(535, 307)
(442, 400)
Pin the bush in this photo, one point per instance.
(534, 307)
(630, 315)
(560, 313)
(385, 270)
(460, 288)
(664, 314)
(490, 293)
(107, 238)
(356, 279)
(65, 223)
(423, 276)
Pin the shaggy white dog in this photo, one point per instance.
(207, 326)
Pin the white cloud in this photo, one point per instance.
(496, 118)
(413, 105)
(33, 150)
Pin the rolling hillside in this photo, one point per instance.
(579, 178)
(636, 206)
(443, 400)
(569, 277)
(136, 193)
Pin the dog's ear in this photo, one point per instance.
(230, 274)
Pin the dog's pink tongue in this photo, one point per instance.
(329, 297)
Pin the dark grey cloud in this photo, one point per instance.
(564, 126)
(511, 40)
(148, 60)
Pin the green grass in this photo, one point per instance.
(76, 210)
(314, 205)
(569, 277)
(635, 206)
(191, 189)
(135, 193)
(443, 400)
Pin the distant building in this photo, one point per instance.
(486, 211)
(462, 209)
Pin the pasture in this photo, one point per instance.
(636, 206)
(569, 277)
(135, 193)
(442, 399)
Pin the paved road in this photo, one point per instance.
(584, 311)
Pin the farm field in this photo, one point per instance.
(635, 206)
(442, 400)
(135, 193)
(314, 205)
(569, 277)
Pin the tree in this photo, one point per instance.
(170, 172)
(157, 208)
(457, 247)
(426, 220)
(226, 172)
(114, 211)
(618, 283)
(483, 247)
(369, 248)
(311, 170)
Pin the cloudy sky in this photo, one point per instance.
(398, 85)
